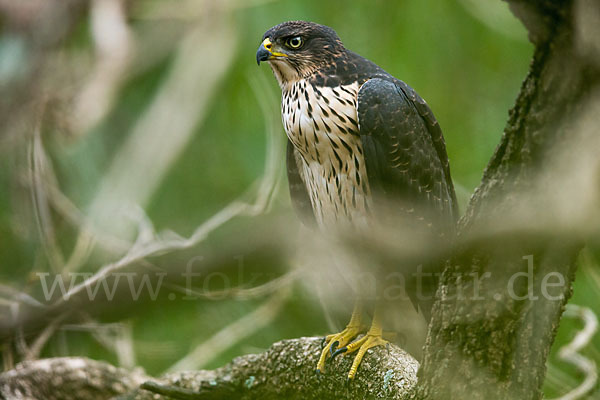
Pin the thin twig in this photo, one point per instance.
(570, 352)
(239, 293)
(71, 213)
(33, 352)
(13, 295)
(38, 166)
(116, 338)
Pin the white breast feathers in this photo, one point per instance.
(321, 123)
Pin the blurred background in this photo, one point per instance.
(141, 135)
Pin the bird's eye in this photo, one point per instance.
(294, 42)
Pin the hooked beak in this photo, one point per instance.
(265, 52)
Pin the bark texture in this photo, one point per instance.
(486, 342)
(285, 371)
(68, 378)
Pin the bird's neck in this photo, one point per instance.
(284, 73)
(288, 76)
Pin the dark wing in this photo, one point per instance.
(406, 160)
(298, 194)
(404, 150)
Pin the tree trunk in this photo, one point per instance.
(493, 324)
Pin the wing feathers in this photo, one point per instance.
(404, 147)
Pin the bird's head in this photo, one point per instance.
(296, 49)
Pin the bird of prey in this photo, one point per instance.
(355, 135)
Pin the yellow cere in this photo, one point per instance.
(269, 46)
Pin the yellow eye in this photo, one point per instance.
(295, 42)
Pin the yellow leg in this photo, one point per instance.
(340, 340)
(373, 338)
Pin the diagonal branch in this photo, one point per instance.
(285, 371)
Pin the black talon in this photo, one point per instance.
(333, 346)
(323, 342)
(339, 351)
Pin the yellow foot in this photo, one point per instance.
(363, 344)
(335, 342)
(341, 343)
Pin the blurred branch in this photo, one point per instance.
(240, 293)
(149, 243)
(115, 337)
(33, 352)
(189, 9)
(113, 44)
(570, 352)
(38, 170)
(88, 235)
(14, 296)
(167, 124)
(45, 21)
(285, 371)
(46, 193)
(124, 346)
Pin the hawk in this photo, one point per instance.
(356, 136)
